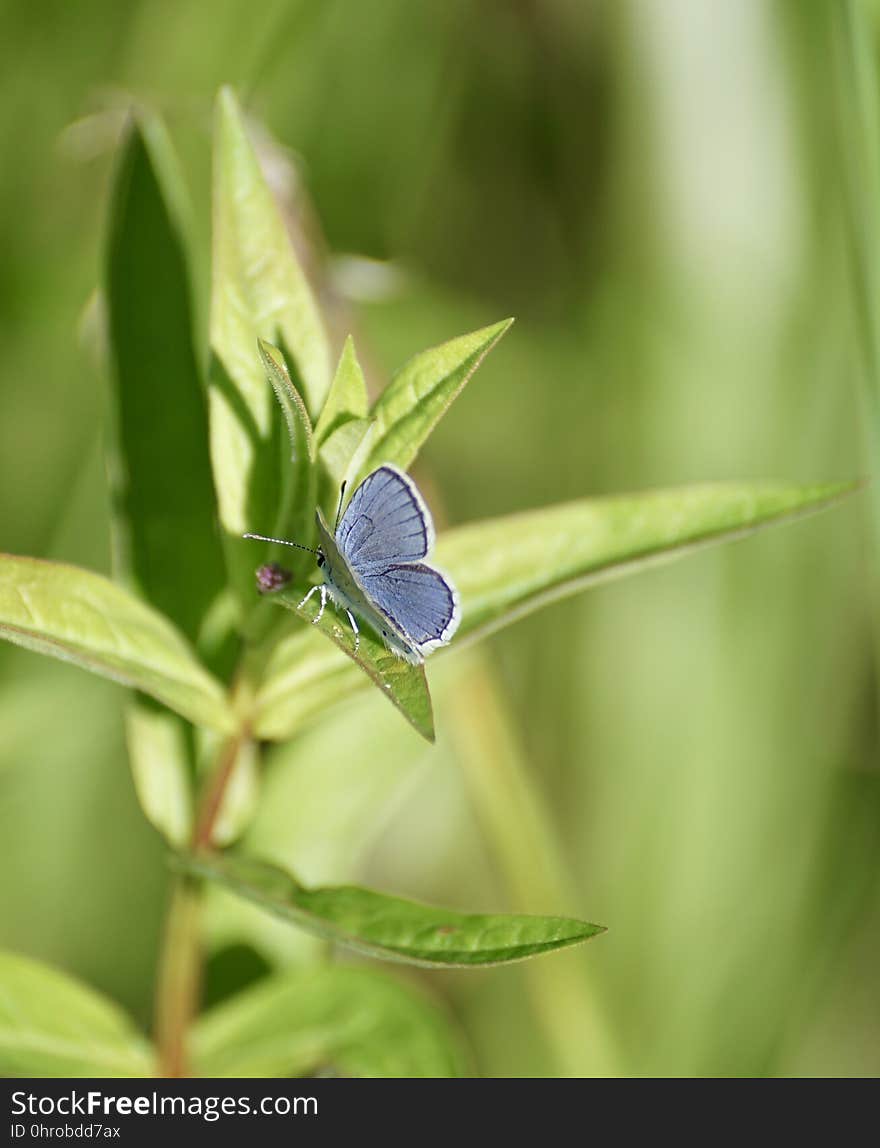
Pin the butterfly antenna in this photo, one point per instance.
(280, 542)
(339, 507)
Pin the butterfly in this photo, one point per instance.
(372, 564)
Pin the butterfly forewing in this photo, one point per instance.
(385, 521)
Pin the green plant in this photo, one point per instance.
(219, 673)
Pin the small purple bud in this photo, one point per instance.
(272, 577)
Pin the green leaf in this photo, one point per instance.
(403, 684)
(508, 567)
(159, 752)
(347, 398)
(342, 428)
(295, 515)
(326, 798)
(421, 392)
(338, 457)
(258, 291)
(163, 495)
(256, 270)
(304, 676)
(359, 1021)
(81, 617)
(390, 927)
(52, 1025)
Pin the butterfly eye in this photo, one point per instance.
(320, 560)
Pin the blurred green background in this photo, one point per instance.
(653, 188)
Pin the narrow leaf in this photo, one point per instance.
(163, 495)
(421, 392)
(347, 398)
(52, 1025)
(303, 678)
(403, 684)
(390, 927)
(357, 1021)
(299, 426)
(508, 567)
(258, 291)
(81, 617)
(256, 266)
(159, 752)
(297, 494)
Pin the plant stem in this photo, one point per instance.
(179, 976)
(215, 789)
(180, 962)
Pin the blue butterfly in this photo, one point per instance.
(372, 566)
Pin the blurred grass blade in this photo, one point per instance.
(357, 1021)
(163, 496)
(258, 291)
(421, 392)
(159, 752)
(403, 684)
(859, 126)
(508, 567)
(519, 826)
(297, 494)
(81, 617)
(390, 927)
(52, 1025)
(347, 398)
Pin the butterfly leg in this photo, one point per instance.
(320, 613)
(355, 630)
(322, 590)
(313, 590)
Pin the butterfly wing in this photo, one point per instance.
(386, 521)
(418, 600)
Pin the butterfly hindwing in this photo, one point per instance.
(385, 522)
(418, 599)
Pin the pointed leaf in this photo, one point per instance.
(347, 398)
(256, 270)
(258, 291)
(80, 617)
(508, 567)
(295, 515)
(338, 453)
(403, 684)
(358, 1021)
(163, 495)
(421, 392)
(390, 927)
(53, 1025)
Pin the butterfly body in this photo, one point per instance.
(372, 566)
